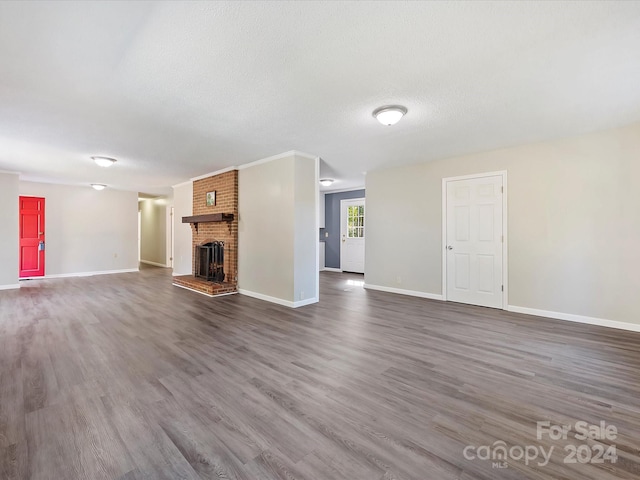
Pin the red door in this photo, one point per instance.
(31, 237)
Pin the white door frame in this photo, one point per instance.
(139, 233)
(173, 236)
(505, 249)
(342, 220)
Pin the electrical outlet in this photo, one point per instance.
(301, 295)
(326, 234)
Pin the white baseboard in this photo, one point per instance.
(331, 269)
(400, 291)
(279, 301)
(203, 293)
(529, 311)
(155, 264)
(302, 303)
(178, 274)
(602, 322)
(82, 274)
(10, 287)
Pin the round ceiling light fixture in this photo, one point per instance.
(98, 186)
(326, 182)
(104, 161)
(390, 114)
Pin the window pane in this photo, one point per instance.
(355, 221)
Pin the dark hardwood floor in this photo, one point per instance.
(127, 377)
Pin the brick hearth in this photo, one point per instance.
(201, 285)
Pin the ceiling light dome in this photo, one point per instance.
(326, 182)
(98, 186)
(389, 114)
(104, 161)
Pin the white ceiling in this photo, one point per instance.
(177, 89)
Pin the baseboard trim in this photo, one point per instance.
(266, 298)
(302, 303)
(400, 291)
(331, 269)
(155, 264)
(601, 322)
(202, 293)
(82, 274)
(278, 301)
(10, 286)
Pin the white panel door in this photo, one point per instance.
(474, 241)
(352, 233)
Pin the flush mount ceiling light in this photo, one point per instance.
(104, 161)
(389, 114)
(326, 182)
(98, 186)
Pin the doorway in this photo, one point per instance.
(352, 235)
(32, 237)
(474, 239)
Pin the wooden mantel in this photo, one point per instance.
(209, 218)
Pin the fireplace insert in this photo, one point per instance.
(210, 261)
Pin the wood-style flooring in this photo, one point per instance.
(127, 377)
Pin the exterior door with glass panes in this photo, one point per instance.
(352, 235)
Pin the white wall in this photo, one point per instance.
(182, 249)
(153, 231)
(9, 244)
(277, 230)
(574, 224)
(87, 230)
(265, 229)
(306, 221)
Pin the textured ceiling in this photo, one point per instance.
(175, 90)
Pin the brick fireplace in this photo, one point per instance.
(214, 223)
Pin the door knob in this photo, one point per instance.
(449, 247)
